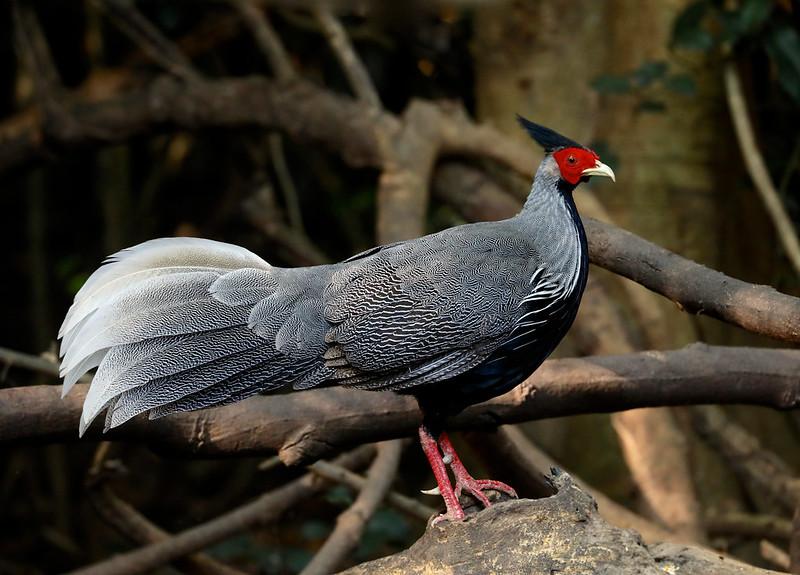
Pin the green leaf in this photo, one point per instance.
(750, 16)
(648, 72)
(731, 25)
(783, 45)
(340, 496)
(611, 84)
(296, 559)
(688, 32)
(683, 84)
(315, 529)
(387, 525)
(753, 13)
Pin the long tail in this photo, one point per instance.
(168, 334)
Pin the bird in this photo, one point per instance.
(452, 318)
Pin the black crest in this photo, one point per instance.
(547, 138)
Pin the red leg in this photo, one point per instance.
(464, 481)
(431, 449)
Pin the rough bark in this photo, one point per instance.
(305, 426)
(559, 534)
(757, 308)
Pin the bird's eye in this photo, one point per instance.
(572, 160)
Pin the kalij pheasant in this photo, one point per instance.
(452, 318)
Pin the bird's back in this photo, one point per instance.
(424, 310)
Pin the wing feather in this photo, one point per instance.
(429, 309)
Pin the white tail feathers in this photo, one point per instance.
(149, 259)
(155, 289)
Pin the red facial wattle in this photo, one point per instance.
(574, 161)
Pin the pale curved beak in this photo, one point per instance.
(600, 169)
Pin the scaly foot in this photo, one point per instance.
(464, 481)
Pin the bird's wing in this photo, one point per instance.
(170, 325)
(426, 309)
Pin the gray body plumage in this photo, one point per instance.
(184, 323)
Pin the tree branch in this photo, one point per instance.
(747, 524)
(351, 64)
(561, 533)
(265, 509)
(266, 39)
(137, 527)
(524, 464)
(756, 166)
(767, 473)
(350, 525)
(356, 482)
(149, 38)
(693, 287)
(304, 426)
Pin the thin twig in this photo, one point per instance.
(266, 39)
(33, 50)
(756, 166)
(794, 541)
(357, 482)
(359, 81)
(294, 246)
(758, 467)
(353, 67)
(350, 525)
(149, 38)
(133, 524)
(792, 166)
(749, 525)
(284, 177)
(264, 510)
(138, 528)
(35, 363)
(774, 554)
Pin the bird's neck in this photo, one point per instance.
(550, 215)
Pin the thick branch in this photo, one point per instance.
(694, 287)
(299, 109)
(404, 182)
(523, 464)
(304, 426)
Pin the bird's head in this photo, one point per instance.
(576, 162)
